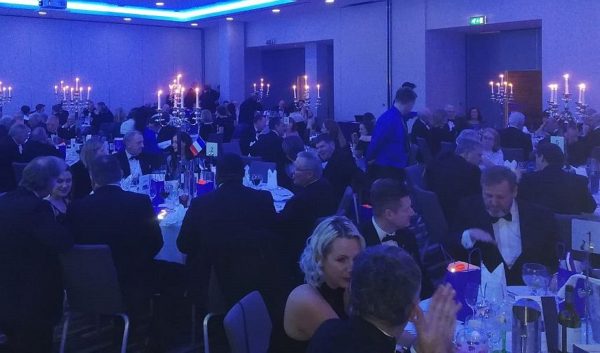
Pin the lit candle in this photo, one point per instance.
(254, 84)
(498, 87)
(318, 90)
(4, 91)
(566, 76)
(62, 84)
(197, 97)
(64, 93)
(511, 88)
(492, 86)
(181, 97)
(262, 84)
(76, 83)
(55, 89)
(501, 79)
(71, 93)
(9, 92)
(88, 93)
(158, 98)
(582, 93)
(268, 88)
(306, 80)
(178, 78)
(294, 88)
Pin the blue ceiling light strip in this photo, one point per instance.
(192, 14)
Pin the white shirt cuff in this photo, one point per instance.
(466, 240)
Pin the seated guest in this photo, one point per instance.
(206, 126)
(454, 124)
(455, 176)
(492, 153)
(127, 125)
(384, 297)
(62, 114)
(422, 127)
(52, 125)
(35, 120)
(82, 184)
(332, 128)
(549, 126)
(508, 232)
(474, 119)
(60, 196)
(250, 134)
(440, 132)
(38, 145)
(291, 145)
(514, 137)
(314, 199)
(592, 138)
(100, 115)
(123, 220)
(363, 139)
(248, 110)
(339, 167)
(225, 123)
(552, 187)
(327, 264)
(174, 154)
(30, 273)
(68, 130)
(5, 123)
(132, 160)
(227, 229)
(575, 146)
(268, 145)
(11, 151)
(392, 212)
(148, 125)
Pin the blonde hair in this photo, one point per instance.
(319, 243)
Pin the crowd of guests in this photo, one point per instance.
(330, 283)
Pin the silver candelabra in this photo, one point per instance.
(5, 95)
(72, 98)
(259, 91)
(566, 116)
(178, 116)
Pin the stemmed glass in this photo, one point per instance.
(256, 179)
(471, 294)
(535, 276)
(152, 192)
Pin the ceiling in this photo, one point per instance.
(172, 13)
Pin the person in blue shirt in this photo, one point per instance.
(388, 151)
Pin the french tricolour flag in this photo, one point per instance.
(197, 146)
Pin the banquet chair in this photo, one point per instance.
(564, 224)
(513, 154)
(428, 206)
(248, 325)
(18, 170)
(261, 168)
(415, 176)
(92, 287)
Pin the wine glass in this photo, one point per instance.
(535, 276)
(152, 191)
(256, 179)
(184, 197)
(471, 294)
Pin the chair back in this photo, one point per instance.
(513, 154)
(415, 176)
(424, 150)
(18, 170)
(428, 205)
(231, 147)
(248, 325)
(91, 280)
(261, 168)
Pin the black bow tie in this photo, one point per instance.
(134, 158)
(389, 237)
(507, 217)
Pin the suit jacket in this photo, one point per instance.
(577, 153)
(30, 272)
(247, 110)
(33, 149)
(340, 171)
(231, 231)
(592, 139)
(560, 191)
(419, 129)
(82, 183)
(538, 237)
(269, 148)
(145, 163)
(452, 178)
(511, 137)
(248, 139)
(439, 134)
(68, 132)
(9, 153)
(126, 222)
(408, 242)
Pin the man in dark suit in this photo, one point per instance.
(248, 110)
(230, 230)
(209, 99)
(592, 139)
(30, 274)
(11, 151)
(339, 167)
(422, 127)
(101, 115)
(508, 232)
(392, 212)
(38, 145)
(514, 137)
(314, 200)
(455, 124)
(132, 160)
(250, 134)
(269, 145)
(123, 220)
(455, 176)
(552, 187)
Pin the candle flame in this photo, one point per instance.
(197, 89)
(294, 86)
(582, 86)
(318, 85)
(566, 76)
(306, 87)
(510, 84)
(491, 83)
(179, 75)
(501, 76)
(159, 92)
(89, 88)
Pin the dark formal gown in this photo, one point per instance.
(30, 273)
(82, 183)
(145, 163)
(126, 222)
(560, 191)
(9, 154)
(537, 230)
(452, 178)
(511, 137)
(355, 335)
(340, 172)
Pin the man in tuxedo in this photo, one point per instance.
(313, 200)
(455, 124)
(508, 232)
(231, 230)
(30, 274)
(132, 160)
(514, 137)
(269, 145)
(52, 125)
(250, 134)
(38, 145)
(126, 222)
(68, 130)
(455, 176)
(392, 212)
(11, 150)
(552, 187)
(248, 110)
(339, 167)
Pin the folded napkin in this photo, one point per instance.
(174, 216)
(271, 179)
(512, 165)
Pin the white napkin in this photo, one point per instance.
(247, 181)
(573, 282)
(512, 165)
(174, 217)
(271, 179)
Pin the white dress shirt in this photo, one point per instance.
(382, 234)
(134, 165)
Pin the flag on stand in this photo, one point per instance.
(197, 146)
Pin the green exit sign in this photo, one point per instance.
(477, 20)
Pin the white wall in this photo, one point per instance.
(124, 63)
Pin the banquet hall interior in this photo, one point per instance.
(299, 176)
